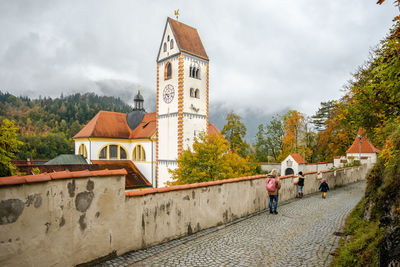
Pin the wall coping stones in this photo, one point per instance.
(45, 177)
(142, 192)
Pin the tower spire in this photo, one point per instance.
(138, 100)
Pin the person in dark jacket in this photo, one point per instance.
(300, 185)
(324, 187)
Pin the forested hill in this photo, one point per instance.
(46, 125)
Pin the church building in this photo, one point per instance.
(153, 141)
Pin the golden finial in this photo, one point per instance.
(176, 12)
(138, 88)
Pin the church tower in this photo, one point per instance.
(182, 94)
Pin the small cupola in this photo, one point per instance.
(138, 101)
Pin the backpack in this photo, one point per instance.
(270, 184)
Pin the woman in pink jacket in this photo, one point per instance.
(273, 184)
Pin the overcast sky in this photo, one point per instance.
(265, 56)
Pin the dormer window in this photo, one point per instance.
(171, 44)
(165, 47)
(168, 71)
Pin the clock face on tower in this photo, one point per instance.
(168, 93)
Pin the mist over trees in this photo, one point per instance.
(46, 125)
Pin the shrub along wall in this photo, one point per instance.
(68, 220)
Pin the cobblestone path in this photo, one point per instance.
(300, 235)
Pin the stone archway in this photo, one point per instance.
(289, 171)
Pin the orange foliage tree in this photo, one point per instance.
(295, 136)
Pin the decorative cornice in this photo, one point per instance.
(185, 114)
(157, 110)
(180, 104)
(208, 94)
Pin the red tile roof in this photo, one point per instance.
(366, 146)
(109, 124)
(44, 177)
(114, 125)
(106, 124)
(146, 128)
(188, 39)
(212, 129)
(134, 178)
(299, 159)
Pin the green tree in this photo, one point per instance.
(322, 115)
(234, 131)
(261, 153)
(211, 159)
(9, 145)
(274, 134)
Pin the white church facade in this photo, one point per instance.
(153, 141)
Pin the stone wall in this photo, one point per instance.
(66, 222)
(269, 166)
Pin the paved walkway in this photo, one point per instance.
(300, 235)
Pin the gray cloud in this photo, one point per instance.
(266, 56)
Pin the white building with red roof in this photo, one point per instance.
(362, 149)
(292, 164)
(154, 140)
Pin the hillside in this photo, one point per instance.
(46, 125)
(372, 102)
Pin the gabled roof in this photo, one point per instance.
(67, 159)
(366, 145)
(299, 159)
(188, 39)
(109, 124)
(106, 124)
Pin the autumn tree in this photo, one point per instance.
(235, 131)
(210, 159)
(295, 135)
(8, 147)
(371, 101)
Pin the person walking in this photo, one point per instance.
(273, 184)
(324, 187)
(300, 185)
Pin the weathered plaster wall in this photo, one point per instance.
(72, 221)
(317, 167)
(61, 222)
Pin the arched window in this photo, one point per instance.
(113, 152)
(138, 153)
(168, 71)
(82, 150)
(168, 38)
(197, 73)
(197, 93)
(165, 47)
(171, 46)
(191, 71)
(191, 92)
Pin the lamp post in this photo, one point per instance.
(359, 151)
